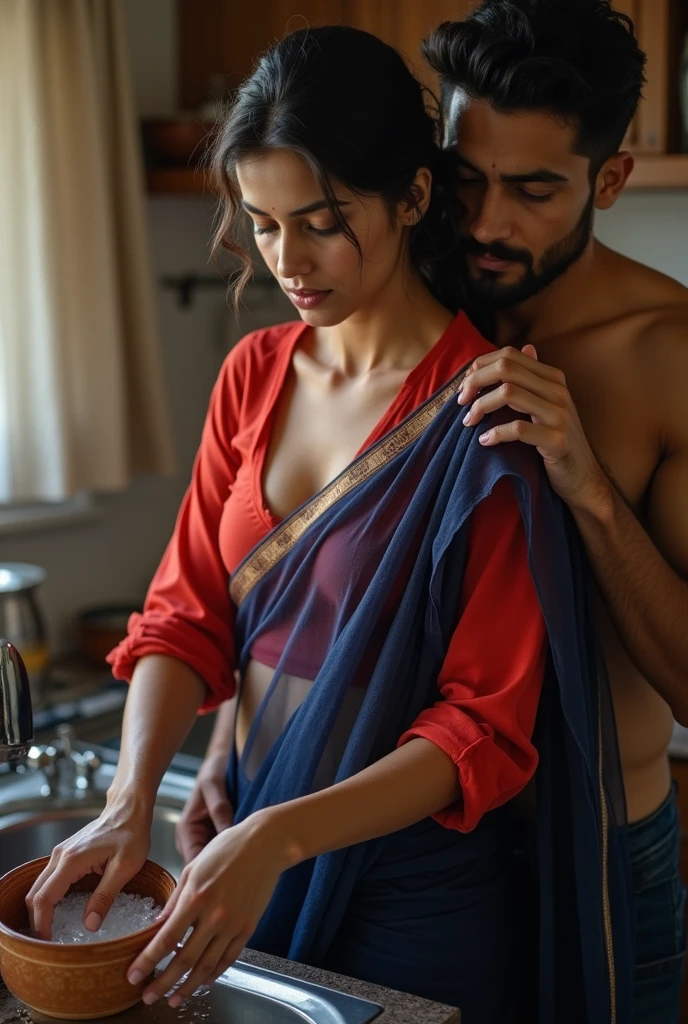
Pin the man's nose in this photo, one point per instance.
(489, 223)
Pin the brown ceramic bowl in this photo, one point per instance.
(80, 980)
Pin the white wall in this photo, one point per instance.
(652, 227)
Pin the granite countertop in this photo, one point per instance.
(399, 1008)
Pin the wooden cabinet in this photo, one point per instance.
(221, 39)
(404, 24)
(655, 135)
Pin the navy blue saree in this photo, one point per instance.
(353, 598)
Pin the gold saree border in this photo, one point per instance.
(281, 540)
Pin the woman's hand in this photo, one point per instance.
(115, 846)
(222, 895)
(207, 811)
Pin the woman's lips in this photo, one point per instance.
(307, 298)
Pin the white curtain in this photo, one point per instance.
(82, 399)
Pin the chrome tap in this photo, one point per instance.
(16, 717)
(66, 771)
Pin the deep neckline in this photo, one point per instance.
(264, 434)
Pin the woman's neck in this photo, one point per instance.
(394, 334)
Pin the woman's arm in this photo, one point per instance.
(465, 755)
(413, 782)
(208, 810)
(163, 699)
(161, 706)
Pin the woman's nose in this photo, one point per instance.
(294, 259)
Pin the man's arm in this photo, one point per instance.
(642, 577)
(646, 595)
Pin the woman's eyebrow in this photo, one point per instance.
(302, 211)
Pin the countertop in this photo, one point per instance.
(399, 1008)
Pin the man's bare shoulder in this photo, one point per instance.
(641, 287)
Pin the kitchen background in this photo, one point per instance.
(106, 552)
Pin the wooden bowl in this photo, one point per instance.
(79, 980)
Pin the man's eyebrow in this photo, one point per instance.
(321, 204)
(540, 175)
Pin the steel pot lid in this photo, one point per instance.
(16, 576)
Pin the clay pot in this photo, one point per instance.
(79, 980)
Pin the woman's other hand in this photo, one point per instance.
(208, 810)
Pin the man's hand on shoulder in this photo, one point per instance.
(538, 391)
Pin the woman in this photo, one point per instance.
(353, 554)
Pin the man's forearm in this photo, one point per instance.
(647, 599)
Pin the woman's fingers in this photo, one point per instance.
(116, 875)
(169, 940)
(220, 809)
(49, 888)
(229, 957)
(206, 965)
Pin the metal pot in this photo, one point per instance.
(21, 620)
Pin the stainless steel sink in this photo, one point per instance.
(35, 830)
(32, 824)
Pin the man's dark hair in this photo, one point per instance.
(578, 60)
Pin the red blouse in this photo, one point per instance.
(489, 686)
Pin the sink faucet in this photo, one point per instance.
(16, 716)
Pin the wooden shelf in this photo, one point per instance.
(660, 172)
(176, 181)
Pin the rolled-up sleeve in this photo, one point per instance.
(492, 677)
(188, 613)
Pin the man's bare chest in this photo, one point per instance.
(612, 403)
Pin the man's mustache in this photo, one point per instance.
(497, 250)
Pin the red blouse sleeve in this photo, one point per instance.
(188, 613)
(492, 676)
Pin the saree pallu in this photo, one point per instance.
(355, 598)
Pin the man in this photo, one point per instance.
(538, 95)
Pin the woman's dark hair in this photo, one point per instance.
(576, 59)
(347, 103)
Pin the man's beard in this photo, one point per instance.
(489, 289)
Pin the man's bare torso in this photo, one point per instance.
(615, 361)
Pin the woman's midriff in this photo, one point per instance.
(256, 684)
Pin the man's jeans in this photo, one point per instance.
(660, 929)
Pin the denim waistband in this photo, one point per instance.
(661, 822)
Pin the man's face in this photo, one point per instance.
(527, 198)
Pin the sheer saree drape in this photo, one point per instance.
(357, 592)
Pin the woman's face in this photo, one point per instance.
(313, 261)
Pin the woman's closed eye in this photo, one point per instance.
(269, 229)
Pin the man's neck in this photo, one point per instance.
(567, 305)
